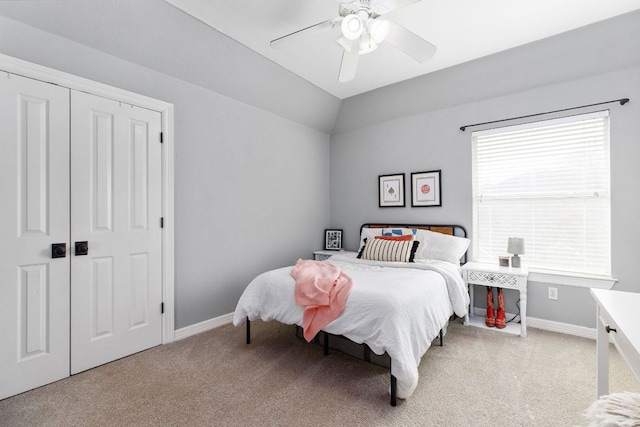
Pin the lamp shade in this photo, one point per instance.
(515, 245)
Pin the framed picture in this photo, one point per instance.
(425, 189)
(391, 190)
(333, 240)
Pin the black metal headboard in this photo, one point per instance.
(450, 229)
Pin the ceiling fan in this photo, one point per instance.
(362, 29)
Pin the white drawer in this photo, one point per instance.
(492, 279)
(622, 343)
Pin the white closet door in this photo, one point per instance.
(116, 289)
(34, 214)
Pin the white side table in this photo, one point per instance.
(325, 254)
(479, 274)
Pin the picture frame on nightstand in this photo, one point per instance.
(333, 239)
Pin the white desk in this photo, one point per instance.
(618, 316)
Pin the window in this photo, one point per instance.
(547, 182)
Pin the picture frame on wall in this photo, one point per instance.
(333, 239)
(391, 190)
(426, 189)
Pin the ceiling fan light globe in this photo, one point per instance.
(351, 27)
(378, 29)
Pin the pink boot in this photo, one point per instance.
(490, 319)
(501, 320)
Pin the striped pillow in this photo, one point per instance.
(389, 250)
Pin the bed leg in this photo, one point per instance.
(394, 388)
(326, 343)
(441, 338)
(248, 331)
(367, 353)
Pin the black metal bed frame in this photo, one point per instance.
(367, 356)
(456, 230)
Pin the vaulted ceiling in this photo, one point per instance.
(161, 37)
(462, 30)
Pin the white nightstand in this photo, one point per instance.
(325, 254)
(475, 273)
(322, 255)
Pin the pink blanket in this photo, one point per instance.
(322, 289)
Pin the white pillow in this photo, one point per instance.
(441, 246)
(368, 233)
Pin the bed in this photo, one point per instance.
(400, 301)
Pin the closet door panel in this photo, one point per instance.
(34, 190)
(116, 208)
(102, 171)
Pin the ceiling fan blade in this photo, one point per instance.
(410, 43)
(302, 35)
(349, 63)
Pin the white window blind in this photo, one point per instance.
(547, 182)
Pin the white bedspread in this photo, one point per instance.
(394, 307)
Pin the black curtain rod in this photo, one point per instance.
(621, 101)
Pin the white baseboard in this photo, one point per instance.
(550, 325)
(547, 325)
(563, 328)
(207, 325)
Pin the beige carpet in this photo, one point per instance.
(479, 378)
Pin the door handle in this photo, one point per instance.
(58, 250)
(82, 248)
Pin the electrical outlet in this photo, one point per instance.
(553, 293)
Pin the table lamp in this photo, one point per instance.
(515, 246)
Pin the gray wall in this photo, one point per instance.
(426, 137)
(251, 192)
(155, 35)
(254, 155)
